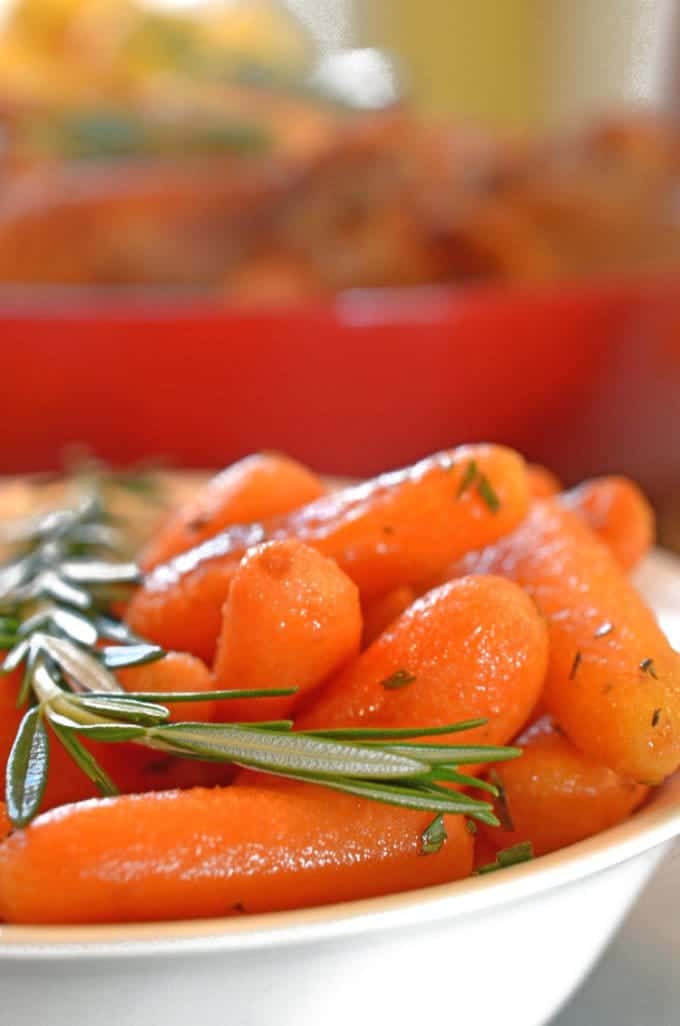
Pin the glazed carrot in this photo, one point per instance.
(258, 487)
(613, 682)
(199, 853)
(474, 648)
(400, 528)
(554, 795)
(292, 617)
(542, 482)
(177, 671)
(379, 613)
(10, 718)
(619, 514)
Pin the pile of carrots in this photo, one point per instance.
(467, 586)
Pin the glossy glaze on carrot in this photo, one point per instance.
(221, 852)
(618, 513)
(474, 648)
(400, 528)
(256, 488)
(292, 617)
(613, 682)
(555, 795)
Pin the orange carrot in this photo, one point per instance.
(292, 617)
(5, 825)
(258, 487)
(401, 528)
(10, 718)
(193, 854)
(613, 682)
(619, 514)
(554, 795)
(177, 671)
(474, 648)
(542, 482)
(379, 613)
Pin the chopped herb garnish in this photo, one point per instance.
(502, 807)
(656, 717)
(433, 837)
(469, 476)
(647, 666)
(488, 494)
(578, 658)
(399, 679)
(519, 853)
(603, 630)
(471, 827)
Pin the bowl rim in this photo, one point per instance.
(656, 824)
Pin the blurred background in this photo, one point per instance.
(354, 231)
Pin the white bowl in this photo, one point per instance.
(509, 947)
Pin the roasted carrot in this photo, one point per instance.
(401, 528)
(473, 648)
(380, 612)
(619, 514)
(292, 618)
(613, 682)
(199, 853)
(554, 795)
(258, 487)
(177, 671)
(542, 482)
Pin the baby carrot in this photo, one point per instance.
(474, 648)
(542, 482)
(258, 487)
(177, 671)
(200, 853)
(379, 613)
(618, 513)
(400, 528)
(613, 682)
(292, 617)
(554, 795)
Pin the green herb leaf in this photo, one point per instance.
(27, 767)
(519, 853)
(167, 697)
(488, 494)
(118, 657)
(433, 838)
(459, 755)
(502, 806)
(469, 476)
(398, 680)
(84, 760)
(647, 666)
(394, 733)
(111, 707)
(578, 658)
(286, 752)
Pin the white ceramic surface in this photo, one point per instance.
(510, 947)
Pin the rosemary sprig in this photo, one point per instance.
(56, 623)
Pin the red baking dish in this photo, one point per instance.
(367, 381)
